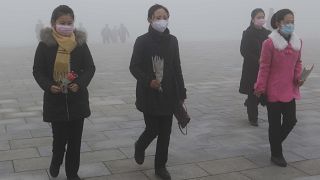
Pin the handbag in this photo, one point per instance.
(263, 100)
(182, 116)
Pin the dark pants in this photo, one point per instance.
(70, 134)
(157, 126)
(252, 103)
(282, 119)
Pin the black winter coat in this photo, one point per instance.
(251, 45)
(63, 107)
(146, 47)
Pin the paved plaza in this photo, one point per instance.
(220, 145)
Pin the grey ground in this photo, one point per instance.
(220, 143)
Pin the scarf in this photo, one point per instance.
(62, 61)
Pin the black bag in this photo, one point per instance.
(263, 100)
(183, 117)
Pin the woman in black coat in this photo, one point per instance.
(63, 68)
(160, 88)
(250, 49)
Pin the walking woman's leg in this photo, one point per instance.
(289, 119)
(74, 146)
(274, 118)
(59, 132)
(252, 109)
(149, 134)
(163, 141)
(275, 111)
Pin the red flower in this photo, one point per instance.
(72, 76)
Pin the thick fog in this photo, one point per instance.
(190, 20)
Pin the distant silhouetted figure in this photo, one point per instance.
(271, 12)
(123, 33)
(38, 28)
(106, 34)
(114, 34)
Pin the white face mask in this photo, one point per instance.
(160, 25)
(259, 22)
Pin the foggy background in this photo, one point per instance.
(190, 20)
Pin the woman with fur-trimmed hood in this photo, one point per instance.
(63, 68)
(279, 79)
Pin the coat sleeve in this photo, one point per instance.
(264, 69)
(180, 79)
(137, 63)
(246, 47)
(89, 69)
(40, 68)
(298, 67)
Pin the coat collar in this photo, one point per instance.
(157, 35)
(280, 43)
(47, 38)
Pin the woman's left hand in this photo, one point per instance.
(300, 83)
(74, 87)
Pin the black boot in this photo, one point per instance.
(138, 154)
(254, 123)
(163, 173)
(54, 170)
(279, 161)
(245, 103)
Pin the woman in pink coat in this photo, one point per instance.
(279, 79)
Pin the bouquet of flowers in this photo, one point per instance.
(71, 76)
(158, 64)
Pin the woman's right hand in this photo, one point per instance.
(258, 94)
(155, 84)
(55, 89)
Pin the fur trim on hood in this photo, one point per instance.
(47, 38)
(280, 43)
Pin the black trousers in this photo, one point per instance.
(282, 119)
(252, 103)
(156, 126)
(67, 134)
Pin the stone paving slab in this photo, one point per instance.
(308, 178)
(6, 167)
(17, 122)
(38, 163)
(34, 142)
(227, 165)
(4, 145)
(311, 167)
(30, 175)
(23, 134)
(86, 171)
(229, 176)
(18, 154)
(101, 156)
(308, 152)
(29, 126)
(273, 172)
(129, 165)
(124, 176)
(186, 171)
(112, 143)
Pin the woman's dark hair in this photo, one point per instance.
(61, 11)
(254, 14)
(154, 8)
(279, 16)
